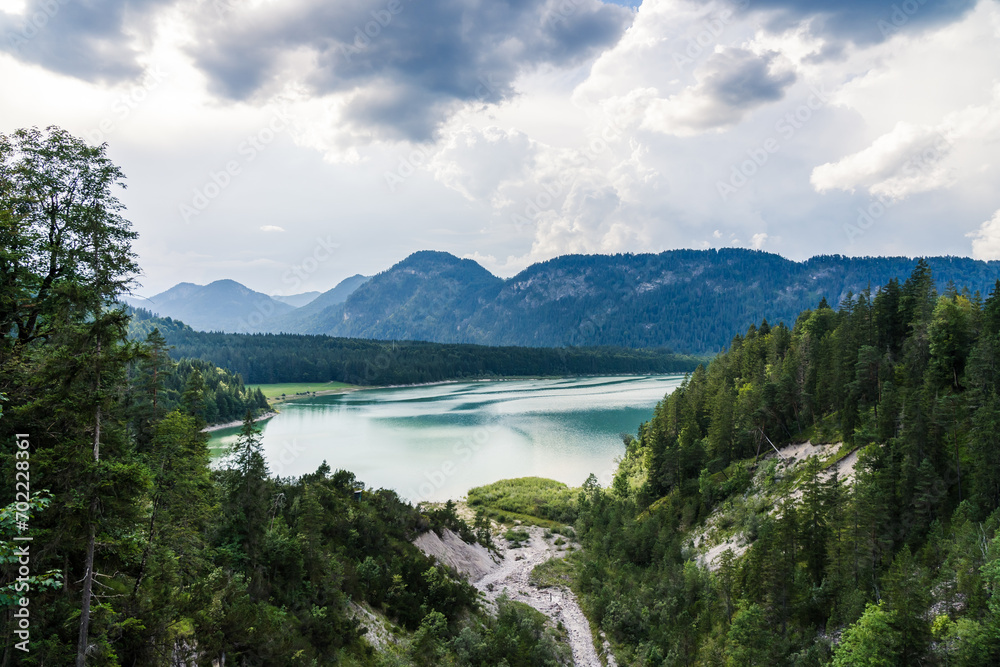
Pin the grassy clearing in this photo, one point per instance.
(556, 572)
(292, 389)
(544, 502)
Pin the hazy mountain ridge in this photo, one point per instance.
(297, 300)
(226, 305)
(317, 312)
(223, 305)
(688, 300)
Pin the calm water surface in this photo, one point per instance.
(436, 442)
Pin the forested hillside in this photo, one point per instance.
(690, 301)
(899, 566)
(161, 385)
(269, 358)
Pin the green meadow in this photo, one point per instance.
(289, 389)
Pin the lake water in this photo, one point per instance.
(435, 442)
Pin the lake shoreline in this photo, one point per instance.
(511, 378)
(506, 378)
(238, 422)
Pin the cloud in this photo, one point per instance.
(862, 22)
(731, 83)
(271, 228)
(913, 158)
(986, 240)
(478, 162)
(758, 240)
(401, 68)
(92, 41)
(902, 162)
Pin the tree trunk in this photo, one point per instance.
(88, 577)
(88, 587)
(149, 547)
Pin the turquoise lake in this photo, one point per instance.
(435, 442)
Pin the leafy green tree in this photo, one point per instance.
(871, 642)
(750, 640)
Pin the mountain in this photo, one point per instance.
(428, 296)
(296, 300)
(691, 301)
(320, 310)
(224, 305)
(688, 300)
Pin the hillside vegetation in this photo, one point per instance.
(690, 301)
(899, 567)
(279, 358)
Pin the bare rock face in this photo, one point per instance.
(472, 560)
(509, 573)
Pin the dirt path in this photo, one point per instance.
(512, 575)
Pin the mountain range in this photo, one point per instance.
(691, 301)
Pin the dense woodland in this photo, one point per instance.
(900, 567)
(159, 385)
(272, 358)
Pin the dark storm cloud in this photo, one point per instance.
(84, 40)
(739, 79)
(408, 62)
(862, 21)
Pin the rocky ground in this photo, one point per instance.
(510, 571)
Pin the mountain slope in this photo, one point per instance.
(321, 309)
(428, 296)
(224, 305)
(297, 300)
(688, 300)
(692, 301)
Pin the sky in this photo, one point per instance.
(290, 144)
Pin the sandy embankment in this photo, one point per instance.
(510, 573)
(238, 422)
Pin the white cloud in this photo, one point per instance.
(271, 228)
(904, 161)
(986, 240)
(758, 240)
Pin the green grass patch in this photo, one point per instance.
(292, 389)
(534, 497)
(556, 572)
(515, 536)
(510, 518)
